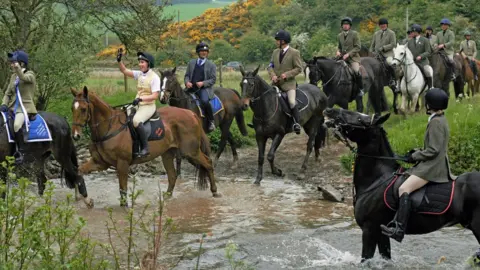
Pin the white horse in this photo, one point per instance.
(412, 83)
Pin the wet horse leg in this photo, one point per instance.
(167, 159)
(178, 158)
(384, 246)
(225, 129)
(261, 144)
(277, 140)
(39, 167)
(122, 172)
(369, 241)
(311, 128)
(234, 149)
(359, 101)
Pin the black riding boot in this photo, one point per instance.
(392, 82)
(473, 64)
(451, 65)
(296, 120)
(397, 227)
(358, 79)
(19, 140)
(209, 115)
(429, 82)
(143, 137)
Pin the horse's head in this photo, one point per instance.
(248, 85)
(355, 126)
(169, 84)
(314, 73)
(80, 111)
(401, 55)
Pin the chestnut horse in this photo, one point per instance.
(111, 141)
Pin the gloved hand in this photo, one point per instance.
(4, 108)
(136, 101)
(119, 55)
(408, 156)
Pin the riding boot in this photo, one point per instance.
(397, 227)
(19, 140)
(296, 117)
(451, 65)
(358, 79)
(429, 82)
(143, 137)
(473, 64)
(392, 83)
(209, 114)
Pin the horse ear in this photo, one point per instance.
(73, 91)
(380, 120)
(256, 71)
(85, 92)
(242, 71)
(174, 69)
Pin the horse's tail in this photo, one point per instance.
(202, 182)
(71, 177)
(240, 118)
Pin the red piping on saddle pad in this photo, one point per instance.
(388, 187)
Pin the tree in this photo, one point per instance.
(222, 49)
(256, 47)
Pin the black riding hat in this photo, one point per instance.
(202, 46)
(147, 57)
(346, 19)
(436, 99)
(382, 21)
(416, 28)
(283, 35)
(429, 28)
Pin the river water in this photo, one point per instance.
(281, 224)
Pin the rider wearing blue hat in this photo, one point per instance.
(446, 42)
(19, 98)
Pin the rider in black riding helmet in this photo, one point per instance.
(432, 162)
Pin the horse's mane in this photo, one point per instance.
(98, 99)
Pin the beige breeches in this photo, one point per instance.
(355, 66)
(411, 184)
(428, 71)
(144, 112)
(292, 98)
(19, 121)
(469, 57)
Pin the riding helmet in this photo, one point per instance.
(430, 28)
(202, 46)
(382, 21)
(416, 28)
(467, 33)
(18, 56)
(283, 35)
(346, 20)
(147, 57)
(436, 99)
(445, 21)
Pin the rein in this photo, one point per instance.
(331, 78)
(258, 98)
(93, 126)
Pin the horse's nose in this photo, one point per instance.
(328, 110)
(245, 107)
(76, 137)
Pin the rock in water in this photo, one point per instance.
(331, 194)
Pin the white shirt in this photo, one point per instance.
(154, 85)
(202, 61)
(285, 49)
(416, 39)
(431, 116)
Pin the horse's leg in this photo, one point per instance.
(359, 101)
(369, 242)
(311, 128)
(234, 150)
(414, 103)
(39, 166)
(225, 131)
(384, 246)
(404, 101)
(178, 158)
(167, 159)
(395, 101)
(261, 144)
(271, 154)
(122, 172)
(474, 226)
(205, 162)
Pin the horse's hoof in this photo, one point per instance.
(89, 203)
(257, 182)
(167, 195)
(278, 172)
(216, 195)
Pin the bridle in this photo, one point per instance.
(94, 127)
(255, 99)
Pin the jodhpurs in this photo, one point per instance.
(412, 183)
(292, 98)
(19, 120)
(144, 112)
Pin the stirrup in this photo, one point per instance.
(393, 226)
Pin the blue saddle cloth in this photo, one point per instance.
(215, 102)
(38, 130)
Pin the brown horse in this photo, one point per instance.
(470, 77)
(174, 95)
(111, 141)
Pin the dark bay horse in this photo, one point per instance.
(270, 119)
(111, 141)
(36, 153)
(339, 87)
(442, 74)
(174, 95)
(375, 165)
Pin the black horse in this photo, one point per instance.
(442, 73)
(36, 153)
(270, 117)
(339, 87)
(374, 170)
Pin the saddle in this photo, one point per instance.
(431, 199)
(154, 128)
(300, 96)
